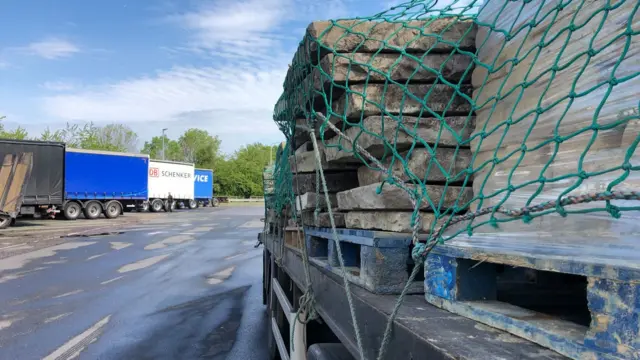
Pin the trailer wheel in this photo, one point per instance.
(156, 205)
(5, 221)
(112, 210)
(144, 207)
(92, 210)
(193, 204)
(72, 210)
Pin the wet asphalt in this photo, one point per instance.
(187, 286)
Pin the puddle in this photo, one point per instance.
(92, 235)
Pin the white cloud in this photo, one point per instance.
(249, 43)
(58, 85)
(53, 48)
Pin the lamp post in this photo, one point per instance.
(163, 130)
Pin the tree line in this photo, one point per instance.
(237, 174)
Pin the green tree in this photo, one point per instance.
(200, 148)
(16, 134)
(153, 148)
(241, 174)
(111, 137)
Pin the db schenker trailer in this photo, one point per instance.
(44, 193)
(101, 182)
(203, 187)
(171, 177)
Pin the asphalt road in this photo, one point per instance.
(182, 286)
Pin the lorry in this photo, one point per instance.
(14, 177)
(171, 177)
(44, 193)
(101, 182)
(203, 188)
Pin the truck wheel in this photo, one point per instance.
(92, 210)
(193, 204)
(5, 221)
(156, 205)
(72, 210)
(112, 210)
(215, 202)
(181, 205)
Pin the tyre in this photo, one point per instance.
(72, 210)
(92, 210)
(214, 202)
(157, 205)
(112, 210)
(193, 204)
(180, 205)
(5, 221)
(144, 207)
(199, 204)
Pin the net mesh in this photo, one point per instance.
(476, 106)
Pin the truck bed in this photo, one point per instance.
(421, 331)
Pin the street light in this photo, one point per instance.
(163, 130)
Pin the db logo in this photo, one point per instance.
(154, 172)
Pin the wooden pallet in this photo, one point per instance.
(577, 307)
(375, 260)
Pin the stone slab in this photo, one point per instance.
(452, 165)
(336, 182)
(415, 36)
(361, 67)
(305, 161)
(323, 220)
(309, 201)
(401, 135)
(392, 197)
(396, 221)
(368, 100)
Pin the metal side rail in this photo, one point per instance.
(421, 331)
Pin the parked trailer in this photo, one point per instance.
(203, 188)
(101, 182)
(14, 177)
(44, 194)
(170, 177)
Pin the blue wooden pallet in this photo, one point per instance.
(466, 281)
(378, 261)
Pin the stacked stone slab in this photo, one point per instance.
(559, 77)
(311, 205)
(366, 57)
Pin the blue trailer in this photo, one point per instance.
(101, 182)
(203, 187)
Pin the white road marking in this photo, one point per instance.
(234, 256)
(172, 240)
(142, 263)
(78, 343)
(96, 256)
(156, 233)
(68, 294)
(111, 280)
(220, 276)
(18, 261)
(55, 262)
(184, 225)
(57, 317)
(7, 322)
(119, 245)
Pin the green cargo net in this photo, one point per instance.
(484, 112)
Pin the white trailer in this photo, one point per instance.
(170, 177)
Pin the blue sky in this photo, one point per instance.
(216, 65)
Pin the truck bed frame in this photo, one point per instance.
(421, 331)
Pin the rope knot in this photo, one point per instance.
(526, 218)
(417, 254)
(591, 53)
(614, 211)
(493, 222)
(561, 211)
(583, 175)
(613, 81)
